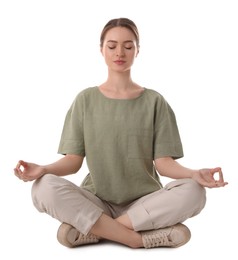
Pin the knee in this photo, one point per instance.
(189, 193)
(40, 185)
(195, 194)
(42, 189)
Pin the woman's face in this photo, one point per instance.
(119, 49)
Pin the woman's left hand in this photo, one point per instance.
(206, 177)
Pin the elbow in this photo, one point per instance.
(76, 162)
(161, 164)
(76, 167)
(161, 174)
(74, 171)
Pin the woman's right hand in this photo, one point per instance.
(26, 171)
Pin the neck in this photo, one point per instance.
(119, 81)
(120, 86)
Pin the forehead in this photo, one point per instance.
(119, 34)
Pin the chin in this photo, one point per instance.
(120, 69)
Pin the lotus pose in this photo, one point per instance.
(129, 136)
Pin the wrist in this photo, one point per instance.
(44, 170)
(194, 173)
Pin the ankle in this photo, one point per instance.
(135, 240)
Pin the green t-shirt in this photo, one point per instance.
(120, 139)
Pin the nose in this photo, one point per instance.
(120, 51)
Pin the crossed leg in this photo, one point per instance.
(119, 230)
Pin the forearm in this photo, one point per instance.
(69, 164)
(170, 168)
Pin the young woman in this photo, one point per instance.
(128, 135)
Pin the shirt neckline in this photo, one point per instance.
(120, 99)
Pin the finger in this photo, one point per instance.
(215, 170)
(219, 184)
(18, 175)
(212, 185)
(209, 183)
(23, 163)
(17, 171)
(218, 179)
(18, 166)
(221, 176)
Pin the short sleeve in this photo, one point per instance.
(72, 137)
(167, 140)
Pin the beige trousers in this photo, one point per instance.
(63, 200)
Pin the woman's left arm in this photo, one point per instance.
(168, 167)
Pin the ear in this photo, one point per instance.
(138, 50)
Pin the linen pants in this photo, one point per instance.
(65, 201)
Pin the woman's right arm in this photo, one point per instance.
(67, 165)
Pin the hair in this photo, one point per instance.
(120, 22)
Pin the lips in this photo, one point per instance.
(119, 62)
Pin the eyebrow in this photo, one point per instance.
(112, 41)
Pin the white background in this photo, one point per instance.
(49, 51)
